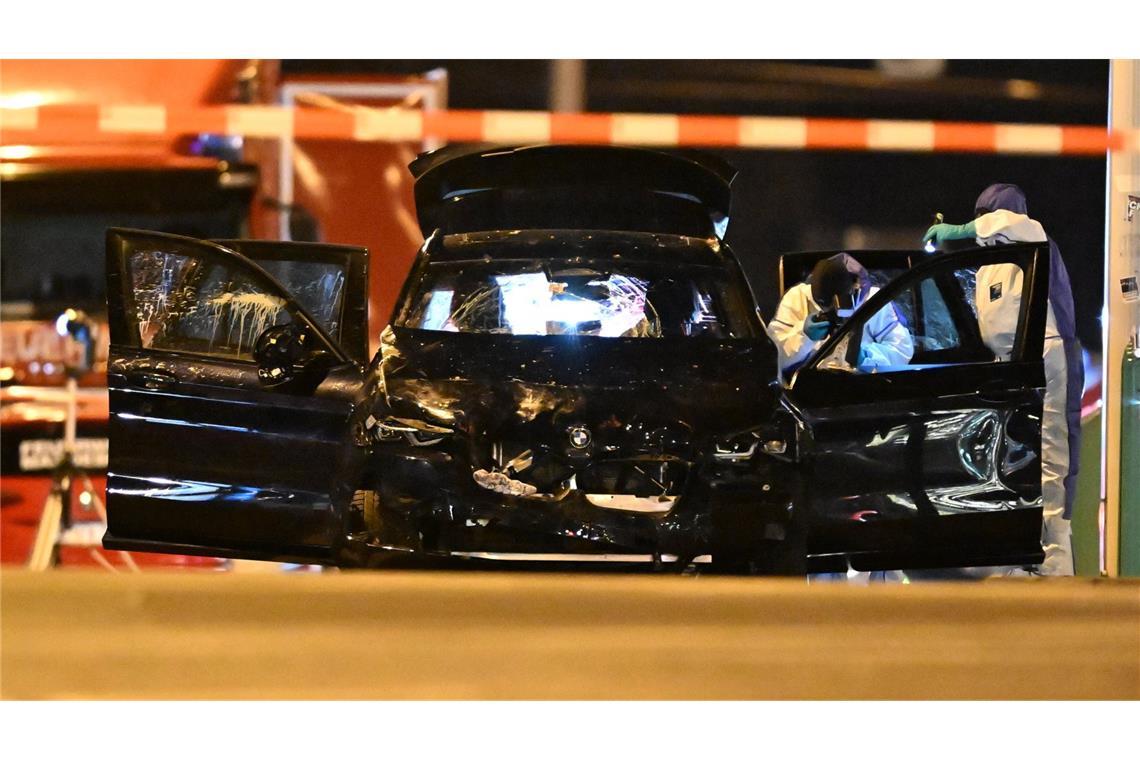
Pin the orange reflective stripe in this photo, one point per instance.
(581, 128)
(964, 136)
(708, 130)
(460, 126)
(88, 123)
(323, 124)
(182, 121)
(66, 121)
(836, 133)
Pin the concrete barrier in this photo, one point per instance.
(401, 635)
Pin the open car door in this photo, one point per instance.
(935, 461)
(231, 379)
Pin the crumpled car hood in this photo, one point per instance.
(486, 382)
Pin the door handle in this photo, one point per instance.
(151, 379)
(997, 394)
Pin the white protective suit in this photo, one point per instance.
(885, 338)
(998, 298)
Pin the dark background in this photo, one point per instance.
(785, 200)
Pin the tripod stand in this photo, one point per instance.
(55, 518)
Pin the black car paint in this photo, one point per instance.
(646, 403)
(471, 188)
(948, 457)
(206, 460)
(272, 473)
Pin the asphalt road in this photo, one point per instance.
(410, 635)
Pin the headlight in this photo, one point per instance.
(739, 448)
(742, 447)
(415, 432)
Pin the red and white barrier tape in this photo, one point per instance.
(85, 123)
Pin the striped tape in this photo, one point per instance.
(83, 123)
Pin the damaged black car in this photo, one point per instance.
(575, 372)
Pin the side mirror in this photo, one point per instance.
(278, 353)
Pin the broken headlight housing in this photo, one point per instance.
(737, 448)
(414, 432)
(743, 446)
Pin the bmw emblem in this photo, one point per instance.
(579, 436)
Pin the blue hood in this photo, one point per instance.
(830, 271)
(1001, 196)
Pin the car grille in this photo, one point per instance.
(637, 477)
(555, 474)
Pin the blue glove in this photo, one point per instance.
(815, 329)
(940, 233)
(864, 357)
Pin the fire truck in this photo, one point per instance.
(59, 196)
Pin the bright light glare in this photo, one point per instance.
(525, 300)
(929, 247)
(16, 152)
(532, 305)
(573, 311)
(438, 310)
(29, 99)
(63, 320)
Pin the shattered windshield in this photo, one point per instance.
(317, 286)
(591, 299)
(188, 304)
(188, 299)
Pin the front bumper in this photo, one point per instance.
(430, 503)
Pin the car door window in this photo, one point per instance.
(329, 282)
(938, 331)
(199, 305)
(938, 315)
(316, 285)
(882, 266)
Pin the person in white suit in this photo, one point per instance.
(840, 283)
